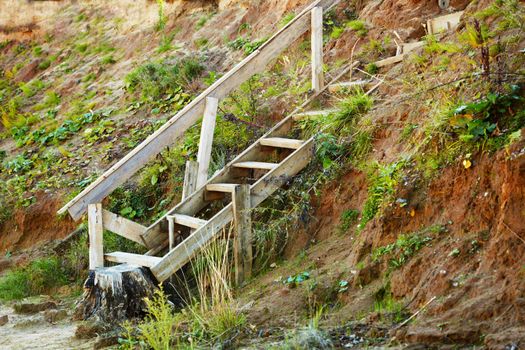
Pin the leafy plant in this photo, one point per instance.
(381, 188)
(358, 26)
(348, 219)
(294, 280)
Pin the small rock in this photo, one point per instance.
(53, 316)
(33, 308)
(3, 320)
(89, 330)
(105, 341)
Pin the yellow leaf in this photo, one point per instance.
(412, 212)
(467, 163)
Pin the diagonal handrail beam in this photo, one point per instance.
(173, 129)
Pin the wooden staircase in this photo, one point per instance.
(250, 178)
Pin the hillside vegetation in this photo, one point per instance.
(406, 229)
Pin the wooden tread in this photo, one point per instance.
(280, 142)
(132, 259)
(256, 165)
(348, 85)
(186, 220)
(221, 187)
(321, 113)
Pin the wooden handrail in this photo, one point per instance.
(189, 115)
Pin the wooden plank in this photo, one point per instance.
(171, 232)
(407, 47)
(263, 188)
(177, 125)
(187, 249)
(288, 168)
(310, 114)
(221, 187)
(96, 236)
(443, 23)
(133, 259)
(348, 85)
(281, 142)
(188, 221)
(317, 49)
(155, 234)
(390, 60)
(242, 246)
(190, 178)
(123, 227)
(256, 165)
(206, 139)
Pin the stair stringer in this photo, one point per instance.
(261, 190)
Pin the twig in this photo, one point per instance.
(416, 313)
(515, 234)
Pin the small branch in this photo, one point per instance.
(416, 313)
(515, 234)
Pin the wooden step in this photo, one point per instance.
(309, 114)
(221, 187)
(186, 220)
(132, 259)
(280, 142)
(348, 85)
(256, 165)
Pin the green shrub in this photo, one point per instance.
(40, 276)
(358, 26)
(44, 64)
(348, 219)
(155, 80)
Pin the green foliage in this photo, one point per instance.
(40, 276)
(165, 43)
(433, 46)
(478, 120)
(157, 79)
(401, 250)
(348, 219)
(510, 14)
(371, 68)
(45, 64)
(336, 32)
(19, 164)
(387, 306)
(108, 59)
(161, 23)
(245, 44)
(287, 19)
(293, 281)
(382, 185)
(359, 27)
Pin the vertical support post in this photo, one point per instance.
(190, 178)
(206, 140)
(95, 231)
(317, 49)
(242, 246)
(430, 29)
(171, 232)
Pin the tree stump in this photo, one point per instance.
(115, 294)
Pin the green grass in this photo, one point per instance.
(348, 219)
(40, 276)
(359, 27)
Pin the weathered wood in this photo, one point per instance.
(171, 232)
(310, 114)
(390, 60)
(256, 165)
(407, 47)
(263, 188)
(96, 236)
(132, 259)
(281, 142)
(123, 227)
(115, 294)
(349, 85)
(206, 140)
(190, 179)
(317, 49)
(155, 234)
(221, 187)
(176, 126)
(242, 246)
(188, 221)
(441, 23)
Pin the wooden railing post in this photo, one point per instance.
(95, 231)
(190, 178)
(206, 140)
(242, 246)
(317, 49)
